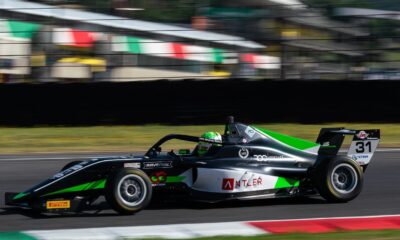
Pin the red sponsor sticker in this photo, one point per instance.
(228, 183)
(362, 135)
(159, 177)
(58, 204)
(231, 183)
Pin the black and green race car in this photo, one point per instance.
(250, 163)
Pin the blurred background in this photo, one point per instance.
(130, 40)
(197, 61)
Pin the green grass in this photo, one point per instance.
(357, 235)
(139, 138)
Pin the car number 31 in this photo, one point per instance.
(364, 146)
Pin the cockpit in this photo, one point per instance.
(234, 134)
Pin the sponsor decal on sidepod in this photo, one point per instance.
(262, 158)
(231, 183)
(159, 177)
(132, 165)
(243, 153)
(150, 165)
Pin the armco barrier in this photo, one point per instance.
(196, 102)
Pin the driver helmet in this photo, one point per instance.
(203, 146)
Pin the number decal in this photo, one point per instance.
(368, 144)
(361, 147)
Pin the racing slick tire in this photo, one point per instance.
(339, 179)
(68, 165)
(128, 191)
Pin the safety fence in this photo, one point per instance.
(200, 102)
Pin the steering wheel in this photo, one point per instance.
(174, 155)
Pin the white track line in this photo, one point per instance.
(174, 231)
(388, 150)
(98, 156)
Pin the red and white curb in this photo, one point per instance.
(175, 231)
(179, 231)
(322, 225)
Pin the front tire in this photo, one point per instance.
(128, 191)
(339, 179)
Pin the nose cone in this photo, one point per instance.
(13, 198)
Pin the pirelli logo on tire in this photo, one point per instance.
(58, 204)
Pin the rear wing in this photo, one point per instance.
(362, 148)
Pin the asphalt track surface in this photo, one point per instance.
(380, 196)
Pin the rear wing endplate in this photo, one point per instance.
(362, 147)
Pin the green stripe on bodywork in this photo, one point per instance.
(100, 184)
(286, 183)
(20, 195)
(329, 146)
(297, 143)
(175, 179)
(16, 236)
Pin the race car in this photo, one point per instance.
(248, 163)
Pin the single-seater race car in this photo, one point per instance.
(249, 163)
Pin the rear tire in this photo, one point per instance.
(339, 179)
(128, 191)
